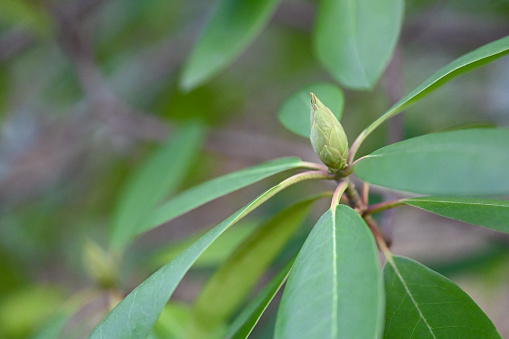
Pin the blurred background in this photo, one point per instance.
(89, 89)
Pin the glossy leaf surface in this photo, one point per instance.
(489, 213)
(215, 188)
(158, 176)
(294, 114)
(243, 325)
(335, 287)
(354, 39)
(233, 26)
(224, 292)
(466, 162)
(421, 303)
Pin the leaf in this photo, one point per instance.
(233, 26)
(173, 321)
(224, 292)
(215, 188)
(488, 213)
(354, 39)
(335, 287)
(467, 162)
(474, 59)
(294, 114)
(215, 254)
(421, 303)
(159, 175)
(136, 314)
(245, 322)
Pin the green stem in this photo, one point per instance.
(364, 134)
(338, 193)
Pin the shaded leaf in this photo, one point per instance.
(173, 321)
(233, 26)
(335, 287)
(136, 314)
(159, 175)
(224, 292)
(354, 39)
(215, 254)
(421, 303)
(215, 188)
(466, 162)
(294, 114)
(488, 213)
(244, 323)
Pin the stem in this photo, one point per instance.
(382, 206)
(379, 237)
(365, 194)
(338, 193)
(357, 203)
(355, 199)
(364, 134)
(312, 165)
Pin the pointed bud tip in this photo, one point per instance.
(313, 100)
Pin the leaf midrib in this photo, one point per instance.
(393, 264)
(334, 327)
(353, 10)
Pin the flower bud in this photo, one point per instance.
(327, 136)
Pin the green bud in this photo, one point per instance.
(327, 136)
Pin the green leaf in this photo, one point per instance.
(215, 188)
(335, 287)
(136, 314)
(488, 213)
(233, 26)
(294, 114)
(354, 39)
(467, 162)
(476, 58)
(245, 322)
(231, 283)
(173, 321)
(215, 254)
(421, 303)
(159, 175)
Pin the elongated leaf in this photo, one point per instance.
(295, 112)
(488, 213)
(135, 315)
(233, 26)
(476, 58)
(335, 287)
(159, 175)
(243, 325)
(421, 303)
(354, 39)
(217, 253)
(231, 283)
(215, 188)
(468, 162)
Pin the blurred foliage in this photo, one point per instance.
(64, 158)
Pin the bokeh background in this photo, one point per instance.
(90, 88)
